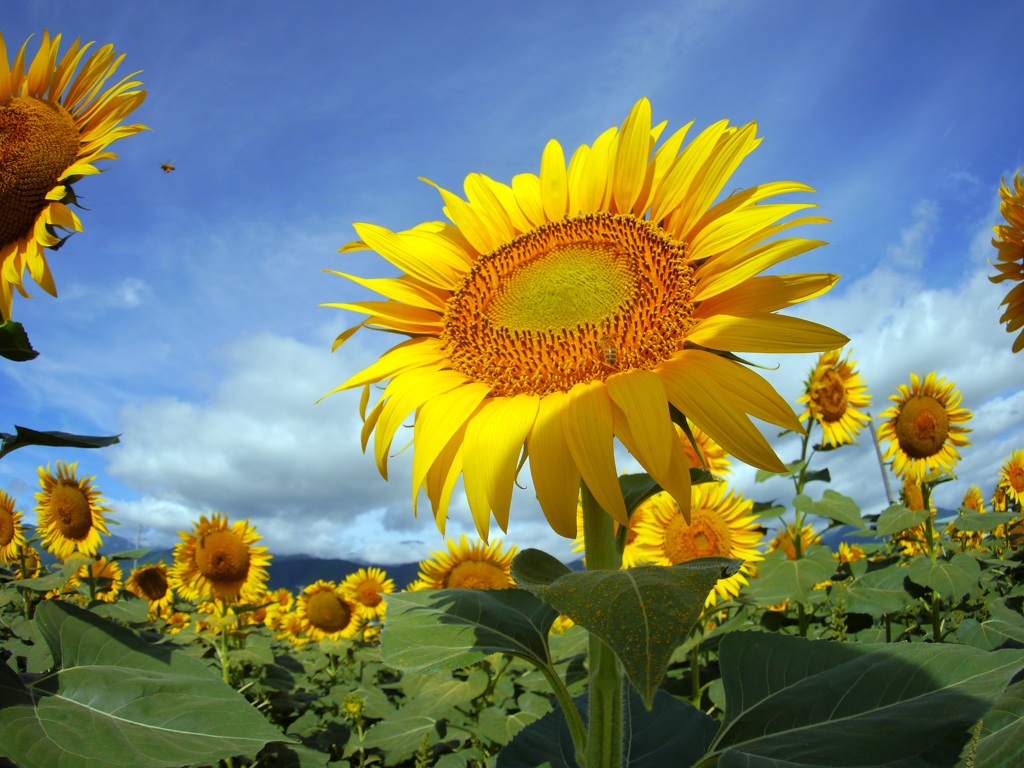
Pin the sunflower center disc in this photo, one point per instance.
(369, 595)
(152, 582)
(1016, 475)
(327, 612)
(831, 396)
(38, 142)
(922, 426)
(571, 301)
(71, 511)
(222, 557)
(6, 527)
(707, 535)
(474, 574)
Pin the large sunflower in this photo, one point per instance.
(221, 561)
(1010, 262)
(152, 582)
(720, 525)
(322, 611)
(922, 428)
(364, 589)
(12, 538)
(53, 127)
(785, 540)
(467, 566)
(834, 393)
(1011, 476)
(575, 307)
(69, 512)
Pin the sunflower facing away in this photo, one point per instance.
(784, 540)
(221, 561)
(923, 427)
(364, 589)
(68, 512)
(834, 393)
(720, 525)
(467, 566)
(12, 538)
(323, 611)
(152, 582)
(53, 127)
(574, 307)
(1011, 476)
(1009, 240)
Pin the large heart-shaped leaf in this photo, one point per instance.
(820, 703)
(833, 505)
(641, 613)
(876, 593)
(971, 521)
(671, 734)
(784, 579)
(450, 628)
(14, 343)
(952, 579)
(898, 518)
(117, 700)
(1002, 731)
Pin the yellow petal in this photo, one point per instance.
(587, 427)
(391, 247)
(554, 189)
(441, 478)
(767, 293)
(641, 396)
(745, 198)
(526, 188)
(467, 219)
(412, 353)
(488, 207)
(573, 176)
(405, 289)
(507, 198)
(594, 177)
(766, 333)
(658, 167)
(371, 422)
(393, 314)
(438, 421)
(700, 400)
(729, 231)
(678, 179)
(726, 272)
(631, 155)
(556, 479)
(364, 399)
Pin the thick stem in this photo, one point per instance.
(604, 736)
(888, 628)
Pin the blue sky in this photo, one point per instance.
(188, 321)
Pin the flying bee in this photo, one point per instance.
(608, 353)
(167, 167)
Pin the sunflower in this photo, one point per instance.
(69, 512)
(176, 621)
(465, 566)
(323, 611)
(575, 307)
(913, 498)
(715, 458)
(833, 394)
(561, 624)
(968, 539)
(152, 583)
(973, 499)
(1010, 262)
(12, 538)
(720, 525)
(53, 128)
(291, 630)
(784, 540)
(281, 602)
(999, 498)
(416, 586)
(220, 561)
(848, 554)
(922, 429)
(364, 588)
(632, 554)
(108, 579)
(914, 541)
(1011, 476)
(33, 565)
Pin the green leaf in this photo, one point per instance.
(14, 343)
(26, 436)
(129, 609)
(785, 579)
(822, 703)
(636, 489)
(818, 474)
(876, 593)
(115, 695)
(766, 510)
(833, 505)
(971, 521)
(1002, 731)
(952, 580)
(991, 634)
(792, 469)
(42, 583)
(401, 734)
(672, 733)
(449, 628)
(128, 554)
(641, 613)
(499, 727)
(898, 518)
(292, 756)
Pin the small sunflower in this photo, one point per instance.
(323, 611)
(371, 633)
(12, 538)
(465, 566)
(1010, 262)
(417, 585)
(573, 308)
(69, 512)
(221, 561)
(923, 427)
(33, 565)
(291, 630)
(176, 621)
(914, 541)
(784, 540)
(999, 498)
(969, 539)
(53, 128)
(561, 624)
(1011, 476)
(720, 526)
(364, 589)
(974, 500)
(108, 579)
(632, 554)
(152, 582)
(834, 393)
(716, 459)
(913, 497)
(281, 602)
(848, 554)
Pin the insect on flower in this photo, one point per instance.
(608, 353)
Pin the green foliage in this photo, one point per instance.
(834, 506)
(25, 436)
(14, 343)
(784, 579)
(898, 518)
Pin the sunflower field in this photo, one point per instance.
(609, 298)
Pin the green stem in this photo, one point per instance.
(888, 628)
(604, 737)
(695, 673)
(225, 669)
(26, 596)
(933, 553)
(92, 579)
